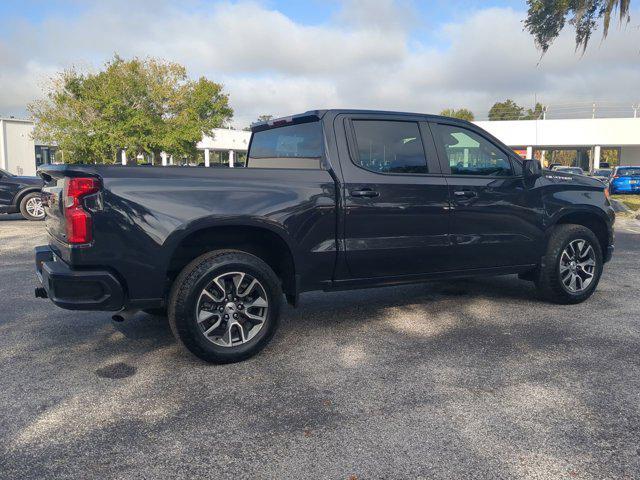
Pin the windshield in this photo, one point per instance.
(574, 170)
(602, 173)
(628, 172)
(4, 173)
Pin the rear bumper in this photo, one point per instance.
(77, 289)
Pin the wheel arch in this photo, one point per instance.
(23, 193)
(591, 218)
(262, 240)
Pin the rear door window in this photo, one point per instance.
(385, 146)
(291, 146)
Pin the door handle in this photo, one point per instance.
(365, 192)
(465, 193)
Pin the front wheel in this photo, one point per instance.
(31, 206)
(224, 306)
(571, 269)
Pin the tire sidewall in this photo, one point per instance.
(183, 312)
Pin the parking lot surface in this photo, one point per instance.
(466, 379)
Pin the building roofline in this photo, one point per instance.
(11, 119)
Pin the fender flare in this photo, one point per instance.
(591, 210)
(173, 241)
(585, 208)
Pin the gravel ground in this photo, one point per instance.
(467, 379)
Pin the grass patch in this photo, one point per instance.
(631, 201)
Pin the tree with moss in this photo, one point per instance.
(546, 19)
(461, 113)
(145, 106)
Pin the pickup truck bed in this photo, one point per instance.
(146, 214)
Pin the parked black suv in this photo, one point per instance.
(332, 199)
(21, 194)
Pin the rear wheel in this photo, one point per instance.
(571, 269)
(31, 206)
(224, 306)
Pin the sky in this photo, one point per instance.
(281, 57)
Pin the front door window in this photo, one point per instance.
(470, 154)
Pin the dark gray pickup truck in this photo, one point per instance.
(329, 200)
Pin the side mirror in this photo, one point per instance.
(532, 168)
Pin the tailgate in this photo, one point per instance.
(54, 206)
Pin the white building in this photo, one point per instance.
(588, 137)
(225, 144)
(223, 148)
(19, 152)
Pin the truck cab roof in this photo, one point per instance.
(311, 115)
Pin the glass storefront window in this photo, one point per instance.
(219, 158)
(45, 154)
(610, 156)
(240, 159)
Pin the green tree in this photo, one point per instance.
(546, 18)
(507, 110)
(461, 113)
(146, 106)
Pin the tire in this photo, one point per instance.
(235, 338)
(553, 275)
(31, 207)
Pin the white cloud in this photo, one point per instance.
(365, 57)
(385, 15)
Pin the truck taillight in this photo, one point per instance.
(77, 218)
